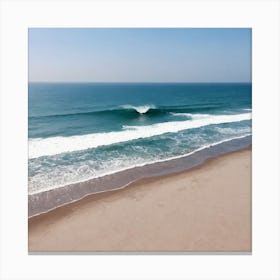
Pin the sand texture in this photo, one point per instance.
(206, 209)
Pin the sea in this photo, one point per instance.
(79, 132)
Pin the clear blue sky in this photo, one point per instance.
(140, 54)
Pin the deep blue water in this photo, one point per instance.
(79, 131)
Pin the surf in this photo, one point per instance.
(127, 111)
(139, 109)
(39, 147)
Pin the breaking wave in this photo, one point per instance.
(39, 147)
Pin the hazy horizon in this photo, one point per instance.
(140, 82)
(140, 55)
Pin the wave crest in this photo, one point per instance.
(57, 145)
(192, 116)
(140, 109)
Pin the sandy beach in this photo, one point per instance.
(206, 209)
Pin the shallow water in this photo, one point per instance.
(78, 132)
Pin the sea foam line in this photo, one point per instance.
(192, 116)
(143, 164)
(39, 147)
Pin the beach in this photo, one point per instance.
(204, 209)
(80, 132)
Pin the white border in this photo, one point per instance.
(262, 16)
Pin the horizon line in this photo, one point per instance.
(143, 82)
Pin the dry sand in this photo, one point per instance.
(206, 209)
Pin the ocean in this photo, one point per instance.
(82, 131)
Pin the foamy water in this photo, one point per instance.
(82, 131)
(57, 145)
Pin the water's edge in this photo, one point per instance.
(43, 202)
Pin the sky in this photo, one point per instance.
(139, 54)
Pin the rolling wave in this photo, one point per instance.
(139, 109)
(126, 111)
(39, 147)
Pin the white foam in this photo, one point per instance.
(140, 109)
(64, 177)
(56, 145)
(192, 116)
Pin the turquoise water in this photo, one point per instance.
(83, 131)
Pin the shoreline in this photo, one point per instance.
(43, 202)
(231, 208)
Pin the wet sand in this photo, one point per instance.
(205, 209)
(47, 200)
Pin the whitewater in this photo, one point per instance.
(57, 145)
(80, 131)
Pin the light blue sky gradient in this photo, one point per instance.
(140, 54)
